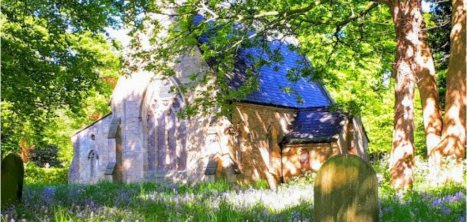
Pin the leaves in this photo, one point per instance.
(54, 55)
(350, 44)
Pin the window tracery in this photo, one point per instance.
(166, 132)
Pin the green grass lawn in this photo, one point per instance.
(219, 201)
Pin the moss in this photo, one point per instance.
(346, 189)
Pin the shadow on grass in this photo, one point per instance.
(208, 202)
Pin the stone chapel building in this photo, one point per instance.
(270, 135)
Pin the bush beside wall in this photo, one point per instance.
(37, 175)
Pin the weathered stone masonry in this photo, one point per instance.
(269, 135)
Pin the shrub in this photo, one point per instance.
(48, 154)
(37, 175)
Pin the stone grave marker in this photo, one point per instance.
(211, 169)
(12, 179)
(346, 189)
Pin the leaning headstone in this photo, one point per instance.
(346, 189)
(12, 179)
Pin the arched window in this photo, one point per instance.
(93, 157)
(166, 132)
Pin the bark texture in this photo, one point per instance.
(454, 129)
(408, 22)
(429, 95)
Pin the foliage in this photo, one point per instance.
(66, 122)
(438, 29)
(346, 47)
(442, 204)
(49, 154)
(307, 178)
(350, 44)
(38, 175)
(419, 132)
(53, 57)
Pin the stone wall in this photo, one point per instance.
(360, 139)
(352, 139)
(129, 102)
(126, 103)
(300, 158)
(190, 135)
(260, 131)
(91, 138)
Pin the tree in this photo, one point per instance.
(413, 65)
(53, 55)
(454, 131)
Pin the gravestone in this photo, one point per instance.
(211, 169)
(12, 179)
(346, 189)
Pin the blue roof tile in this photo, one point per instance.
(316, 126)
(273, 80)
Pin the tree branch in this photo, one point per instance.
(284, 13)
(343, 22)
(308, 8)
(437, 26)
(359, 15)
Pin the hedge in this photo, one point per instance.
(37, 175)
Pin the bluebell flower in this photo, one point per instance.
(462, 218)
(445, 210)
(436, 202)
(49, 191)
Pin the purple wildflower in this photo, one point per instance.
(445, 210)
(48, 191)
(462, 218)
(388, 210)
(436, 202)
(296, 215)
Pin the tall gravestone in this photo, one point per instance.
(346, 189)
(12, 179)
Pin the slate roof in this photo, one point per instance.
(313, 126)
(273, 80)
(312, 123)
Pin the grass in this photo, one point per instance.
(220, 201)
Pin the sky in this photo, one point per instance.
(120, 35)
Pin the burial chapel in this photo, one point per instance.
(270, 135)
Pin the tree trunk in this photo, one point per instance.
(428, 88)
(454, 129)
(429, 95)
(408, 23)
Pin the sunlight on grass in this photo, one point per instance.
(221, 201)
